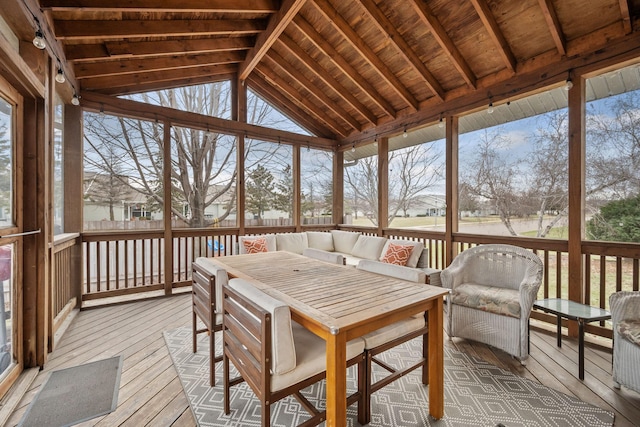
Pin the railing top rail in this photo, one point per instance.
(528, 242)
(618, 249)
(111, 235)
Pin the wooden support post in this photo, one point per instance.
(167, 214)
(383, 185)
(577, 156)
(451, 197)
(297, 188)
(239, 113)
(338, 188)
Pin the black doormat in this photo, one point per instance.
(76, 394)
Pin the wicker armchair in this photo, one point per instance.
(625, 316)
(493, 288)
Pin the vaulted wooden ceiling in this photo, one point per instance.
(340, 68)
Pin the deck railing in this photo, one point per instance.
(118, 263)
(64, 295)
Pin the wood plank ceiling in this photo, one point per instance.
(338, 68)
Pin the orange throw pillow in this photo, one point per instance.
(397, 254)
(254, 246)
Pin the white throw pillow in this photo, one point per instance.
(343, 241)
(415, 253)
(292, 242)
(320, 240)
(368, 247)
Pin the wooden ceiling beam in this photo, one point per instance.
(210, 6)
(124, 66)
(100, 83)
(625, 11)
(105, 29)
(448, 47)
(124, 49)
(278, 101)
(141, 110)
(290, 73)
(554, 25)
(296, 97)
(366, 52)
(332, 55)
(313, 67)
(276, 26)
(162, 85)
(483, 11)
(389, 30)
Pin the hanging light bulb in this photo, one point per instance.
(490, 108)
(39, 41)
(405, 134)
(353, 148)
(568, 84)
(375, 141)
(441, 122)
(60, 76)
(75, 100)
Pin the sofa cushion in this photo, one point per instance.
(629, 329)
(396, 254)
(269, 238)
(320, 240)
(488, 298)
(284, 351)
(343, 241)
(415, 254)
(368, 247)
(392, 270)
(330, 257)
(423, 260)
(292, 242)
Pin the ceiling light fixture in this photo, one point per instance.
(39, 41)
(490, 108)
(441, 122)
(353, 148)
(568, 84)
(405, 134)
(60, 76)
(76, 99)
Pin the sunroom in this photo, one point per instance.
(453, 124)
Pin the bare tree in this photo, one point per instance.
(361, 187)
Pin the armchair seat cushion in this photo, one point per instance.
(493, 299)
(629, 329)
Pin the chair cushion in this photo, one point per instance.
(629, 329)
(310, 353)
(320, 240)
(415, 253)
(292, 242)
(283, 349)
(222, 278)
(393, 331)
(368, 247)
(488, 298)
(396, 254)
(343, 241)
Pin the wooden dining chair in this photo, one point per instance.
(208, 279)
(274, 355)
(388, 337)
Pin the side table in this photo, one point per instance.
(573, 311)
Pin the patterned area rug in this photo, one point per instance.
(476, 394)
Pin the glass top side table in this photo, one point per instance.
(572, 310)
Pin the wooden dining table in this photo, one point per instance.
(340, 303)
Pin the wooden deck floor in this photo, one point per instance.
(151, 393)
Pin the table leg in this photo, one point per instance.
(581, 349)
(436, 360)
(336, 380)
(559, 331)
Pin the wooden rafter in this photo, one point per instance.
(290, 73)
(113, 82)
(104, 29)
(625, 11)
(98, 69)
(215, 6)
(162, 85)
(366, 52)
(276, 26)
(387, 28)
(280, 102)
(554, 25)
(296, 97)
(125, 49)
(448, 47)
(329, 51)
(483, 11)
(313, 67)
